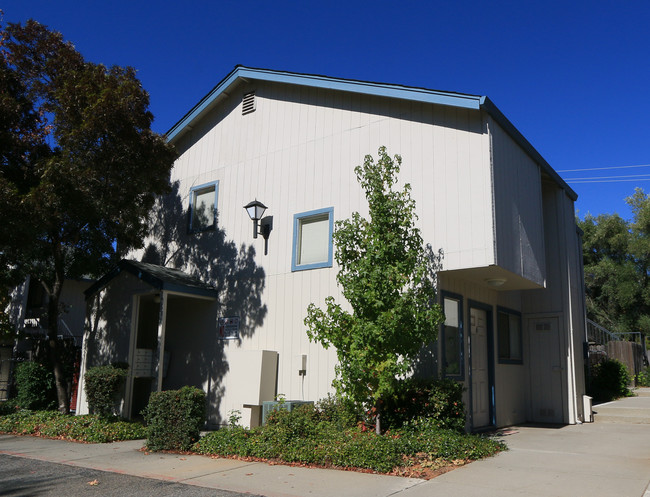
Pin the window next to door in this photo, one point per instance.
(452, 337)
(509, 336)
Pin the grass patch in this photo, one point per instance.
(88, 428)
(302, 436)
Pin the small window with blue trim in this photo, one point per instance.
(312, 239)
(509, 334)
(203, 207)
(452, 337)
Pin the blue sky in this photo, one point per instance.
(573, 77)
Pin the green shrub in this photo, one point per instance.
(610, 380)
(423, 435)
(34, 386)
(88, 428)
(342, 413)
(8, 407)
(309, 436)
(437, 400)
(299, 436)
(102, 384)
(174, 418)
(643, 378)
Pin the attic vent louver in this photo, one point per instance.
(248, 103)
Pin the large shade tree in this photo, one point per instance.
(79, 166)
(617, 267)
(388, 278)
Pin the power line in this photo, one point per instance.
(601, 168)
(642, 176)
(605, 180)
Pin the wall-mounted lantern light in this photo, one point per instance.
(255, 211)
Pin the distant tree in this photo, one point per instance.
(616, 256)
(79, 166)
(388, 278)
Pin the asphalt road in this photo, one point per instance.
(28, 477)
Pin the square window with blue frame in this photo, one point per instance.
(203, 207)
(312, 239)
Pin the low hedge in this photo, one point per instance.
(88, 428)
(102, 384)
(435, 399)
(174, 418)
(303, 436)
(609, 380)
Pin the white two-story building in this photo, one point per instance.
(206, 304)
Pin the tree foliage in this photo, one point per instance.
(616, 256)
(79, 165)
(388, 278)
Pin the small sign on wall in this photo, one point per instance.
(228, 328)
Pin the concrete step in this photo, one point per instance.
(641, 391)
(622, 415)
(618, 419)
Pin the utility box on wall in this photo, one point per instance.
(253, 379)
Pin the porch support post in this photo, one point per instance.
(162, 322)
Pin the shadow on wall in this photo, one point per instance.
(426, 363)
(208, 256)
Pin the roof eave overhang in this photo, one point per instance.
(508, 127)
(151, 280)
(241, 73)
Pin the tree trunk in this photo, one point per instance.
(54, 347)
(378, 417)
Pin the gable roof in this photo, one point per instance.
(160, 277)
(461, 100)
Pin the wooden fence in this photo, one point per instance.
(629, 353)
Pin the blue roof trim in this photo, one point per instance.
(203, 104)
(325, 82)
(367, 88)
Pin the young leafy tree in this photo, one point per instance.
(79, 166)
(388, 279)
(616, 256)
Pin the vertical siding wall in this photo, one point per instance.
(107, 332)
(296, 153)
(563, 294)
(518, 208)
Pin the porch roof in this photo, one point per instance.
(160, 277)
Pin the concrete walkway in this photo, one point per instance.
(595, 459)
